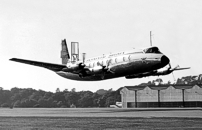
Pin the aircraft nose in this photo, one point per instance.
(164, 60)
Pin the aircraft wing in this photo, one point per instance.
(50, 66)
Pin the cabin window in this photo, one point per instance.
(123, 58)
(129, 58)
(116, 60)
(119, 59)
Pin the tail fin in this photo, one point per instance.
(64, 52)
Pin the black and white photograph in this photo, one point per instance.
(100, 64)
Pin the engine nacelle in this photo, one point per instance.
(73, 67)
(96, 70)
(165, 72)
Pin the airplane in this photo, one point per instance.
(135, 63)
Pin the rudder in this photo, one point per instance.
(64, 52)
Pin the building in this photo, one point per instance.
(161, 96)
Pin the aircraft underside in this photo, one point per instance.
(127, 68)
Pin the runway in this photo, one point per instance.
(100, 118)
(101, 112)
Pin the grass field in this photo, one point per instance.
(115, 119)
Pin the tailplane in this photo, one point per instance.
(65, 53)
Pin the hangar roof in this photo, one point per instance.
(163, 86)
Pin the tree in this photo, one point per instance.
(101, 91)
(95, 97)
(101, 101)
(60, 96)
(65, 90)
(73, 90)
(72, 98)
(57, 90)
(32, 103)
(110, 101)
(159, 80)
(17, 104)
(54, 104)
(5, 105)
(86, 100)
(59, 104)
(45, 103)
(16, 97)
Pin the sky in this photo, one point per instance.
(34, 29)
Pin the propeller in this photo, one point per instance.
(171, 70)
(173, 77)
(105, 68)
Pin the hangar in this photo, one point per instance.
(172, 95)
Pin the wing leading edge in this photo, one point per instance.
(50, 66)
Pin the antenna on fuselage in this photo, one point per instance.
(84, 57)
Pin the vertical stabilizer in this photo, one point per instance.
(64, 52)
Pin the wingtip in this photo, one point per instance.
(13, 59)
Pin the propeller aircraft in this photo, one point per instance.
(135, 63)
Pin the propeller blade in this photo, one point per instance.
(100, 64)
(173, 77)
(105, 68)
(169, 66)
(176, 68)
(108, 63)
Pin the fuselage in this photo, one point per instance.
(123, 63)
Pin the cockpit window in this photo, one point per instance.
(152, 50)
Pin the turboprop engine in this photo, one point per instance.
(73, 67)
(96, 70)
(76, 65)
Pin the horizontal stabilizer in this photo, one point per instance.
(50, 66)
(182, 68)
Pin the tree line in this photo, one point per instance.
(29, 98)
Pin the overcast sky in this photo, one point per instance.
(34, 30)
